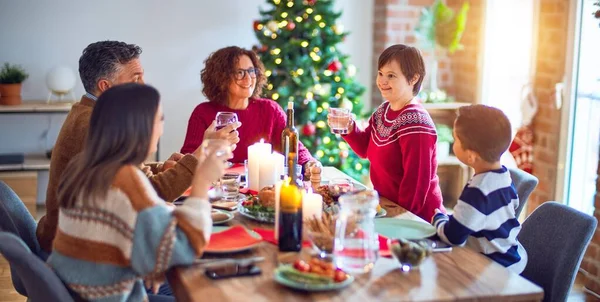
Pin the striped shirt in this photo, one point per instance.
(484, 219)
(104, 248)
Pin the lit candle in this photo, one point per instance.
(277, 198)
(258, 153)
(312, 205)
(278, 164)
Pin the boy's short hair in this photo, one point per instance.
(410, 60)
(483, 129)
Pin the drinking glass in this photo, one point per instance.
(298, 172)
(340, 186)
(225, 118)
(356, 246)
(220, 147)
(339, 120)
(230, 184)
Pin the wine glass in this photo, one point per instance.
(225, 118)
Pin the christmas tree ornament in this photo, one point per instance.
(257, 25)
(272, 26)
(309, 2)
(291, 25)
(344, 154)
(309, 129)
(334, 66)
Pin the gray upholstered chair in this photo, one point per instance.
(16, 219)
(525, 183)
(555, 237)
(40, 282)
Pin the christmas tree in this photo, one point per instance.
(298, 41)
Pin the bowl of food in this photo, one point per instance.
(409, 254)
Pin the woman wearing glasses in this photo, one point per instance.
(232, 80)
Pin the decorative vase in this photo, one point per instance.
(10, 94)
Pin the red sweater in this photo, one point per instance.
(401, 148)
(263, 118)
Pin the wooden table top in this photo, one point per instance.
(460, 275)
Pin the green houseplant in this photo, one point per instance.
(11, 78)
(444, 140)
(441, 28)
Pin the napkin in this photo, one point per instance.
(269, 236)
(232, 238)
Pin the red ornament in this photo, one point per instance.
(264, 48)
(311, 2)
(334, 66)
(291, 25)
(256, 24)
(309, 129)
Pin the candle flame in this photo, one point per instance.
(262, 140)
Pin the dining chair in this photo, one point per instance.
(16, 219)
(525, 183)
(555, 237)
(40, 282)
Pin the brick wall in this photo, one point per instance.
(395, 21)
(550, 69)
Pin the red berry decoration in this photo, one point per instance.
(309, 129)
(291, 25)
(255, 25)
(334, 66)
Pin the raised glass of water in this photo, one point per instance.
(230, 183)
(339, 120)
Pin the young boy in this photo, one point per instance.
(484, 216)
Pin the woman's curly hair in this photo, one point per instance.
(219, 70)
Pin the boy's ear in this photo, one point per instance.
(472, 157)
(414, 80)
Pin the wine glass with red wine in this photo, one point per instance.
(225, 118)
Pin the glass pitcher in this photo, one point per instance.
(356, 244)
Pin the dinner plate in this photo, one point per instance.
(268, 217)
(234, 249)
(403, 228)
(220, 217)
(335, 209)
(281, 279)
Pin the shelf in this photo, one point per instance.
(449, 161)
(32, 162)
(37, 107)
(444, 106)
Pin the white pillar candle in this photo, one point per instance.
(312, 205)
(278, 163)
(257, 154)
(277, 192)
(266, 171)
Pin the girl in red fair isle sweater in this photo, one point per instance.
(400, 138)
(233, 79)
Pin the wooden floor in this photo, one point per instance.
(8, 293)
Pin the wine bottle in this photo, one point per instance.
(289, 135)
(290, 210)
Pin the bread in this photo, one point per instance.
(266, 197)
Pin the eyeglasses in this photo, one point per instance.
(241, 73)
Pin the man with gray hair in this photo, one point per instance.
(103, 65)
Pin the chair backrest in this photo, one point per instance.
(525, 183)
(41, 283)
(16, 219)
(555, 237)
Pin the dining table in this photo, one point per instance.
(461, 274)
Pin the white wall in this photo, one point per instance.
(176, 37)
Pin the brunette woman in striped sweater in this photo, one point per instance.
(114, 231)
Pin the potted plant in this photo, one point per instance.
(11, 77)
(441, 28)
(444, 140)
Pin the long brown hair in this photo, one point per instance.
(119, 134)
(218, 73)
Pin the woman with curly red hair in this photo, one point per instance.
(232, 80)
